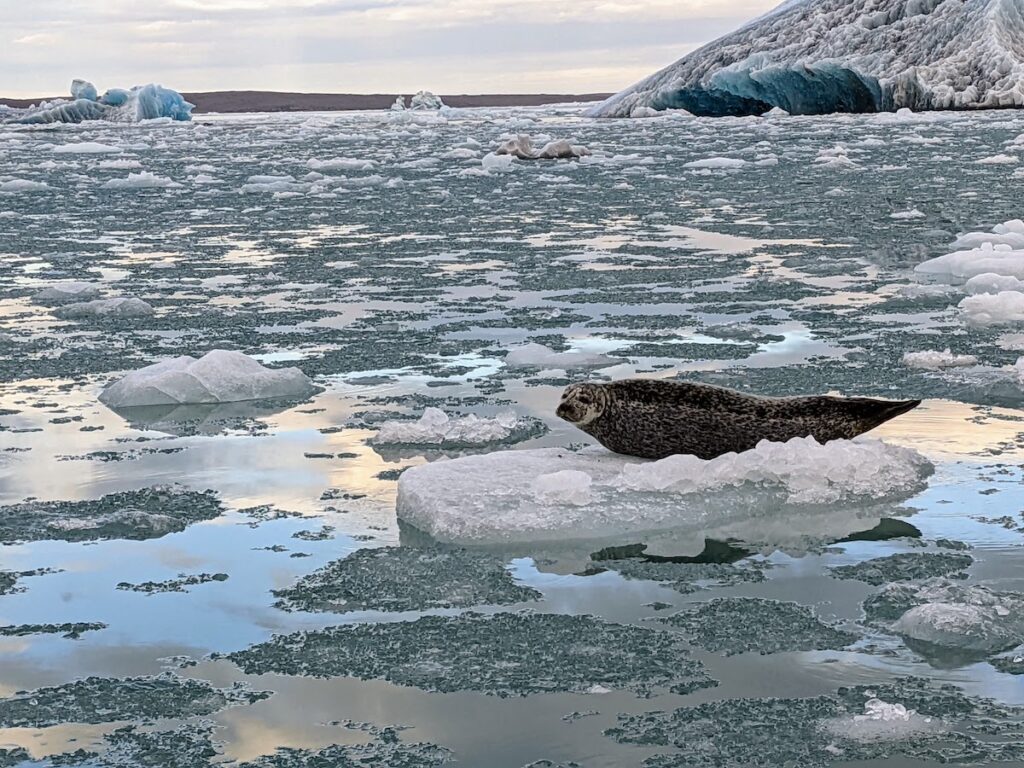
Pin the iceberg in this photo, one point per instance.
(812, 57)
(424, 100)
(436, 427)
(67, 292)
(554, 494)
(219, 376)
(521, 146)
(143, 102)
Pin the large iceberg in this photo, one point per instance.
(811, 57)
(143, 102)
(220, 376)
(552, 494)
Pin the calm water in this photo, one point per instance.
(398, 283)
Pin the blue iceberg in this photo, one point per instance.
(143, 102)
(813, 57)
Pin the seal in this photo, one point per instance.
(654, 418)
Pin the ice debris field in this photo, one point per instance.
(281, 483)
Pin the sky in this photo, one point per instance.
(354, 46)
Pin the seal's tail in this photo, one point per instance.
(876, 412)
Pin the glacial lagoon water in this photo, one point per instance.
(387, 257)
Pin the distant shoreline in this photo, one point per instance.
(274, 101)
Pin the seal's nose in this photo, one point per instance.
(562, 411)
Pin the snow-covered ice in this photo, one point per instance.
(541, 495)
(220, 376)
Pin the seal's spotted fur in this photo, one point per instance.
(654, 419)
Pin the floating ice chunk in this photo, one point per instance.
(989, 282)
(987, 309)
(425, 100)
(496, 163)
(340, 164)
(67, 292)
(535, 495)
(15, 186)
(971, 618)
(521, 146)
(933, 361)
(882, 721)
(998, 258)
(121, 307)
(85, 148)
(728, 163)
(640, 112)
(1009, 233)
(538, 356)
(142, 180)
(435, 427)
(219, 376)
(905, 215)
(120, 164)
(568, 486)
(999, 160)
(399, 105)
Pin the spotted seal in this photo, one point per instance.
(654, 419)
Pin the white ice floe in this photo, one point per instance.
(220, 376)
(435, 427)
(425, 100)
(85, 148)
(999, 252)
(68, 292)
(521, 146)
(933, 361)
(142, 180)
(538, 356)
(120, 307)
(987, 309)
(14, 186)
(541, 495)
(341, 164)
(726, 163)
(913, 213)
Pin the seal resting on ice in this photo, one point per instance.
(654, 419)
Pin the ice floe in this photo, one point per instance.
(220, 376)
(932, 361)
(539, 356)
(521, 146)
(120, 307)
(532, 495)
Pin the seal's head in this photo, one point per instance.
(582, 403)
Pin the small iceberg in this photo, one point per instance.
(67, 292)
(538, 356)
(120, 307)
(521, 146)
(437, 428)
(425, 100)
(552, 494)
(220, 376)
(143, 102)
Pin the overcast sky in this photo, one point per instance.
(356, 46)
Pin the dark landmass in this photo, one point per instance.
(272, 101)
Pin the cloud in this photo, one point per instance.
(354, 45)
